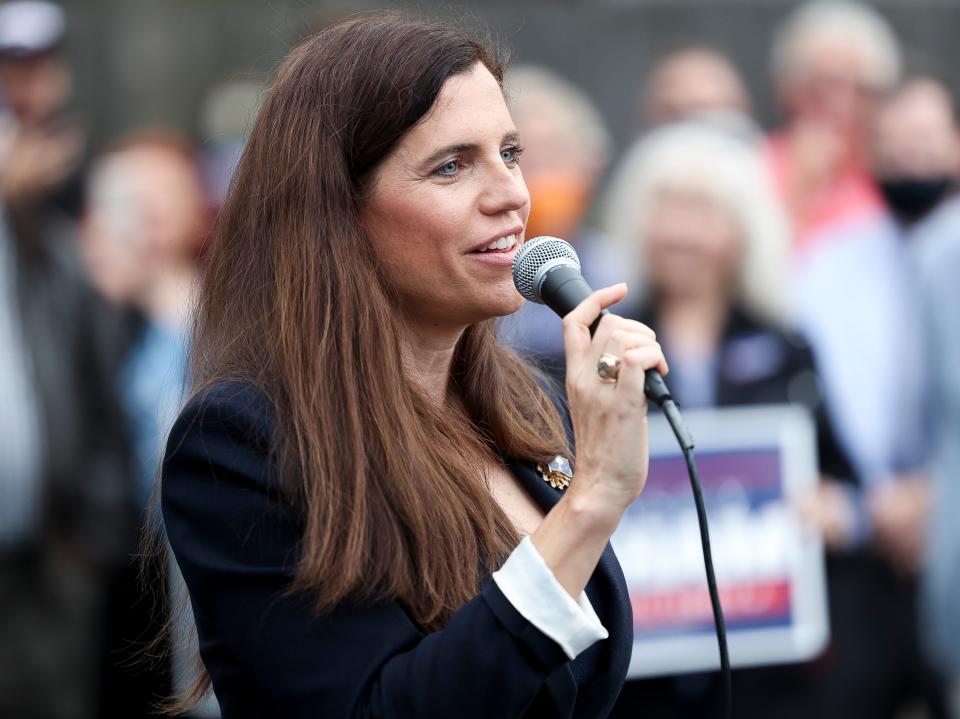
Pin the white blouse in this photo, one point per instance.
(530, 586)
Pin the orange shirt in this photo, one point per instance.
(848, 194)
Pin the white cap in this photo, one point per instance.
(30, 27)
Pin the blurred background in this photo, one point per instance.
(776, 180)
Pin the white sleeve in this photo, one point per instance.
(529, 585)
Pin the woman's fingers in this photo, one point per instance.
(624, 339)
(576, 324)
(582, 353)
(609, 419)
(633, 366)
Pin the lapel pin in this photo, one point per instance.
(557, 472)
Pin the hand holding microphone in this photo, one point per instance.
(609, 378)
(608, 359)
(609, 413)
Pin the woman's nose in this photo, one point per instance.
(504, 191)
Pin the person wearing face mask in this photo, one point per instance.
(918, 176)
(144, 226)
(567, 147)
(871, 273)
(868, 276)
(916, 157)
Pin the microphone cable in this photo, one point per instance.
(672, 412)
(546, 270)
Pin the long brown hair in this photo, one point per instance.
(391, 486)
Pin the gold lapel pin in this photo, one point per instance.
(557, 472)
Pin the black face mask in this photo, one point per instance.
(911, 199)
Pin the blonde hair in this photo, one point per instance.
(707, 158)
(850, 22)
(535, 89)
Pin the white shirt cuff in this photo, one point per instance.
(529, 585)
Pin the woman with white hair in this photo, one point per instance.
(705, 245)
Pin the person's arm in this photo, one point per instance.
(610, 427)
(236, 541)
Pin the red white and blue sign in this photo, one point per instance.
(754, 463)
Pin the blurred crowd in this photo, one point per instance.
(812, 264)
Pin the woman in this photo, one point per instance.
(360, 453)
(690, 210)
(145, 221)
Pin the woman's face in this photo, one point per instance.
(693, 244)
(448, 192)
(144, 218)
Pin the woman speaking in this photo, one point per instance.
(365, 492)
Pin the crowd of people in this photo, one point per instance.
(812, 264)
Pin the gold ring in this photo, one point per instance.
(608, 368)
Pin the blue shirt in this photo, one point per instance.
(152, 385)
(939, 261)
(857, 300)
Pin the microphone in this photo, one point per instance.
(546, 270)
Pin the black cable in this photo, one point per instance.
(672, 413)
(547, 270)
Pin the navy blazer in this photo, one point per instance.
(269, 654)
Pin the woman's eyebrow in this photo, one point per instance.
(444, 152)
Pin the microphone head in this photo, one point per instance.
(535, 258)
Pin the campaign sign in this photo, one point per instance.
(754, 463)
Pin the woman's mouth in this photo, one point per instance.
(503, 244)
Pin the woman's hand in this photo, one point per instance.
(609, 420)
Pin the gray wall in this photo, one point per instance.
(151, 61)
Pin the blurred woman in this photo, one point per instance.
(694, 218)
(145, 222)
(706, 246)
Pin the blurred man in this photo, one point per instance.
(830, 60)
(62, 463)
(40, 145)
(916, 163)
(566, 148)
(860, 298)
(692, 81)
(942, 581)
(918, 154)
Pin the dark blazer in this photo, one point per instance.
(270, 654)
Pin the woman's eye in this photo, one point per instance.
(448, 169)
(511, 155)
